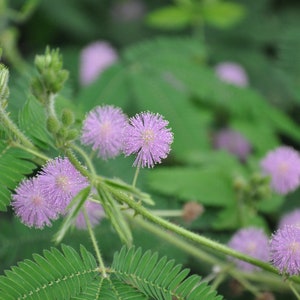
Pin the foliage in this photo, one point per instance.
(167, 53)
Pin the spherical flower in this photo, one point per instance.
(283, 165)
(232, 73)
(103, 129)
(291, 219)
(94, 212)
(253, 242)
(233, 142)
(147, 136)
(59, 182)
(94, 59)
(285, 250)
(30, 205)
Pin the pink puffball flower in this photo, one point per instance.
(30, 205)
(285, 250)
(60, 182)
(253, 242)
(94, 59)
(233, 142)
(103, 129)
(233, 73)
(94, 212)
(148, 136)
(291, 219)
(283, 166)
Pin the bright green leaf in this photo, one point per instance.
(223, 14)
(169, 17)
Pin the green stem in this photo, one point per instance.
(294, 290)
(86, 158)
(94, 241)
(203, 256)
(13, 130)
(77, 164)
(198, 239)
(136, 175)
(32, 151)
(167, 213)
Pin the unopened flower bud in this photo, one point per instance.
(67, 117)
(52, 125)
(72, 134)
(191, 211)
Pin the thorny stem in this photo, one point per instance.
(94, 241)
(203, 256)
(86, 158)
(198, 239)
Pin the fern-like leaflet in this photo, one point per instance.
(133, 275)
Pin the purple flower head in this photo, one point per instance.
(103, 129)
(147, 136)
(283, 165)
(291, 219)
(94, 212)
(233, 142)
(59, 182)
(253, 242)
(94, 59)
(232, 73)
(30, 205)
(285, 250)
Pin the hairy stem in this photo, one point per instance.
(95, 245)
(198, 239)
(86, 158)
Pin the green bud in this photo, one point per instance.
(4, 75)
(62, 133)
(67, 117)
(51, 72)
(72, 135)
(53, 125)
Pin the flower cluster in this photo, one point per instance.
(43, 198)
(282, 249)
(109, 132)
(283, 166)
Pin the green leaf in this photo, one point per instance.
(32, 121)
(15, 164)
(210, 186)
(169, 17)
(110, 88)
(56, 275)
(222, 14)
(158, 278)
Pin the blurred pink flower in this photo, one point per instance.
(232, 73)
(291, 218)
(94, 59)
(283, 166)
(233, 142)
